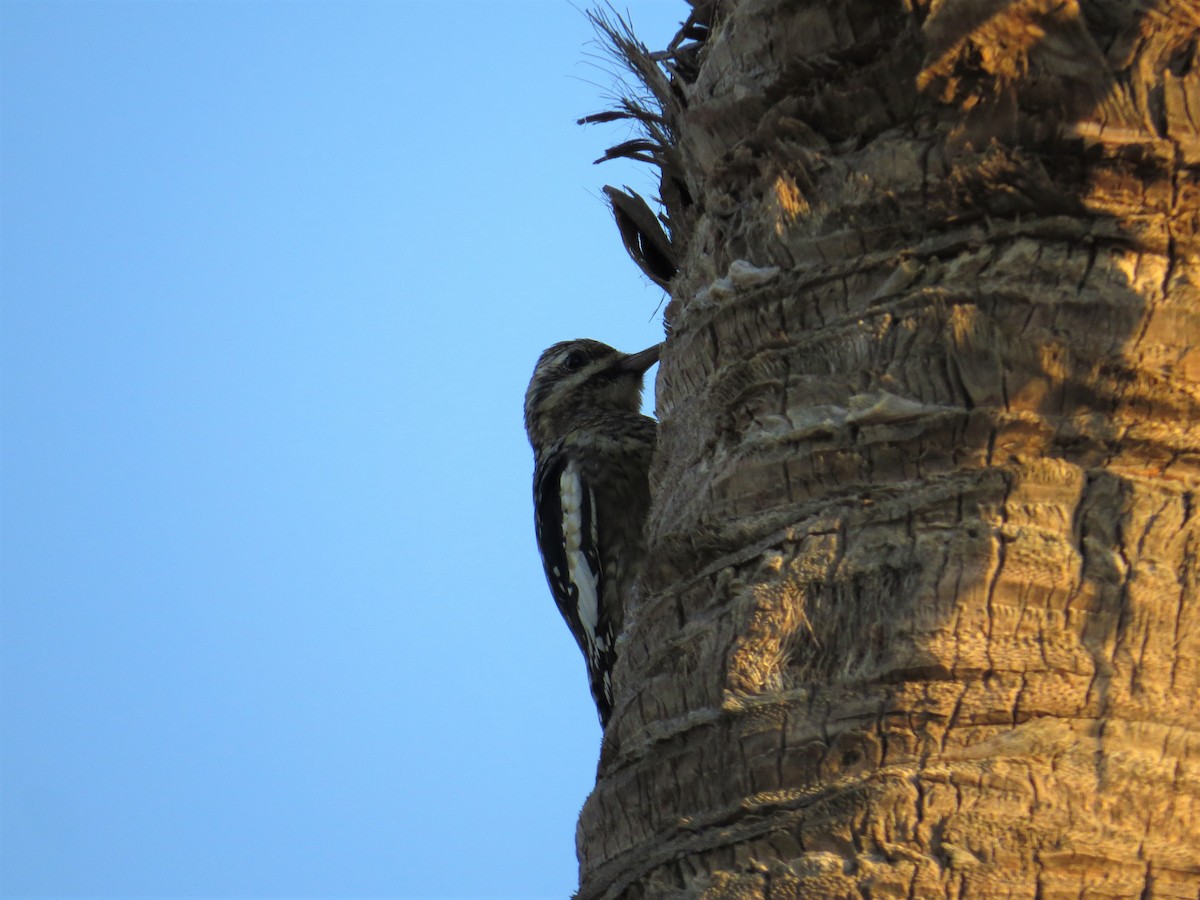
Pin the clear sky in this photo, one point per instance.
(273, 277)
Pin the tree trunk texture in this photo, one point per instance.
(920, 615)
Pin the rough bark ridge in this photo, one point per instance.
(921, 616)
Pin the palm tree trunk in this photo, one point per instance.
(921, 611)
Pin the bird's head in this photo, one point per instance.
(577, 378)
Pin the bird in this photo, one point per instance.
(592, 449)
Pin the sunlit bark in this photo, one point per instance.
(921, 615)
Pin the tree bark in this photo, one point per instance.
(920, 615)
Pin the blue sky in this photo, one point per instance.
(273, 277)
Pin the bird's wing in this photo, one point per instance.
(569, 540)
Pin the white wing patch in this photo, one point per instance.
(576, 542)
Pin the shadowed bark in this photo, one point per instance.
(920, 615)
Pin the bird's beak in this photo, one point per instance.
(640, 362)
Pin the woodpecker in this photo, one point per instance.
(591, 450)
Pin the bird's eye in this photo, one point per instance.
(575, 360)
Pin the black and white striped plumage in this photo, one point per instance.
(592, 450)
